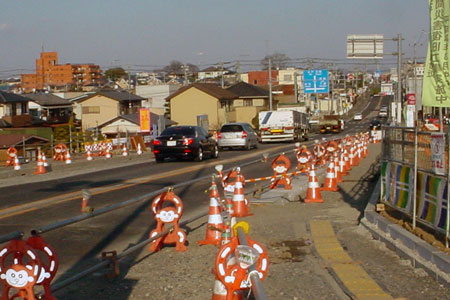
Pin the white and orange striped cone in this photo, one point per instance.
(342, 164)
(337, 169)
(313, 191)
(40, 169)
(348, 165)
(67, 157)
(139, 150)
(240, 203)
(44, 159)
(215, 226)
(108, 153)
(351, 157)
(16, 163)
(330, 180)
(124, 150)
(89, 155)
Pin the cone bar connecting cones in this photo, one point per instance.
(215, 226)
(313, 191)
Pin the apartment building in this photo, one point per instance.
(50, 74)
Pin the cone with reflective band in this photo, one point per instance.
(337, 169)
(351, 157)
(67, 158)
(40, 169)
(342, 164)
(89, 155)
(16, 163)
(330, 181)
(313, 191)
(107, 154)
(124, 150)
(240, 203)
(215, 226)
(44, 160)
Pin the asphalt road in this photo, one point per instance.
(80, 244)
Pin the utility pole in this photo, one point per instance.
(185, 67)
(221, 73)
(295, 87)
(399, 81)
(270, 83)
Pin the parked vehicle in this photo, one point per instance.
(240, 135)
(192, 142)
(277, 126)
(358, 117)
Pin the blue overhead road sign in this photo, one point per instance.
(315, 81)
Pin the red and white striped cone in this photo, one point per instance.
(337, 169)
(330, 180)
(342, 164)
(16, 163)
(108, 153)
(365, 149)
(352, 157)
(124, 150)
(313, 191)
(40, 169)
(348, 165)
(67, 158)
(89, 155)
(240, 203)
(215, 226)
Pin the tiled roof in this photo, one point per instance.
(245, 90)
(209, 88)
(11, 98)
(8, 140)
(115, 95)
(47, 99)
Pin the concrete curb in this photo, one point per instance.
(404, 243)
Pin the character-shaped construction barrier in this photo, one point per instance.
(21, 268)
(233, 273)
(165, 215)
(60, 152)
(280, 165)
(304, 158)
(319, 153)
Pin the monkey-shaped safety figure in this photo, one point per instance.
(319, 153)
(280, 165)
(168, 215)
(304, 158)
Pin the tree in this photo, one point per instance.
(177, 67)
(115, 73)
(279, 61)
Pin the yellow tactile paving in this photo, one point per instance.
(352, 275)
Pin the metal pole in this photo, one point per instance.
(257, 287)
(295, 87)
(270, 83)
(447, 229)
(415, 178)
(399, 81)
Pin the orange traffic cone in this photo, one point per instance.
(44, 160)
(108, 153)
(337, 169)
(16, 163)
(124, 150)
(214, 227)
(89, 155)
(342, 164)
(240, 203)
(40, 165)
(313, 191)
(330, 181)
(67, 157)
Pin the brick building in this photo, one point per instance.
(262, 77)
(49, 74)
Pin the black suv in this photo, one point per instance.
(192, 142)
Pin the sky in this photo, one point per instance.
(148, 34)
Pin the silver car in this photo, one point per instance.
(240, 135)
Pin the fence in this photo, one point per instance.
(415, 176)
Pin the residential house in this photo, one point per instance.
(197, 99)
(249, 102)
(14, 110)
(26, 145)
(211, 73)
(130, 124)
(262, 77)
(156, 96)
(49, 108)
(105, 105)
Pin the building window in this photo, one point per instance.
(255, 81)
(287, 77)
(91, 110)
(248, 102)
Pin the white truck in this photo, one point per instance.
(278, 126)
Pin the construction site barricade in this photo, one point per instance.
(165, 215)
(99, 148)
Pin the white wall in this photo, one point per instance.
(155, 94)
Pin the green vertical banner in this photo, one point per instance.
(436, 82)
